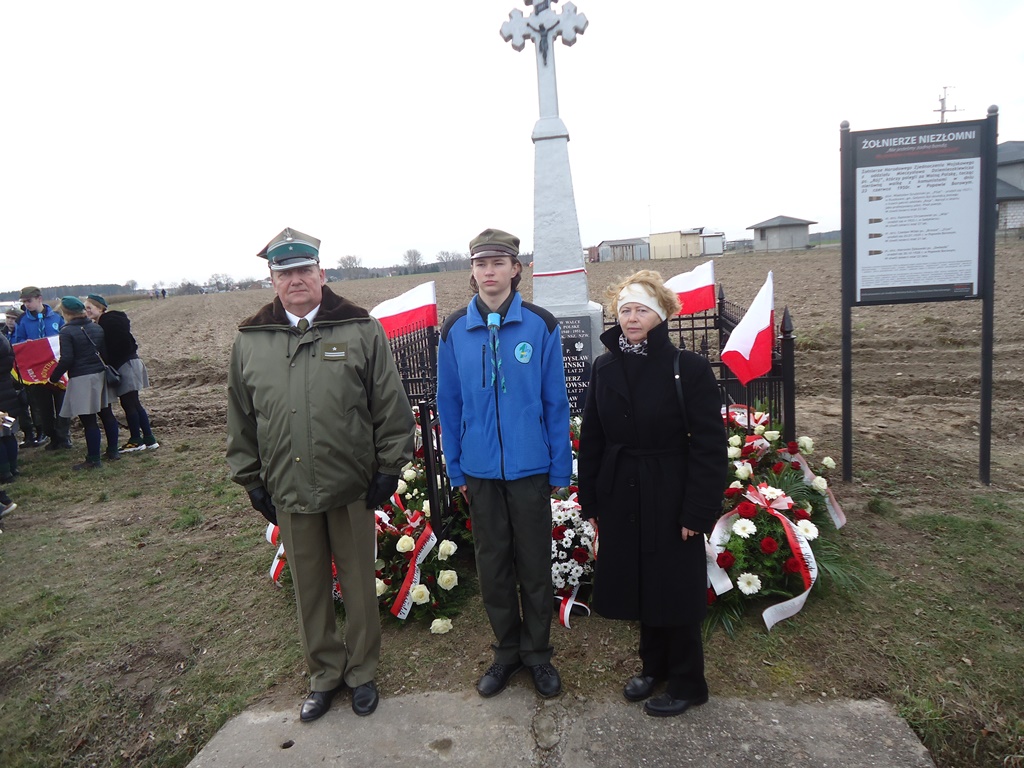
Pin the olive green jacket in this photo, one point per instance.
(312, 416)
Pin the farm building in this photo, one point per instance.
(632, 249)
(673, 245)
(781, 233)
(1010, 184)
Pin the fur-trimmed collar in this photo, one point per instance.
(333, 309)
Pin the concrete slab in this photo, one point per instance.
(517, 729)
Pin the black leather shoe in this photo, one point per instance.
(365, 698)
(496, 678)
(667, 706)
(639, 688)
(546, 680)
(317, 704)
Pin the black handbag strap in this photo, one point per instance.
(94, 347)
(679, 391)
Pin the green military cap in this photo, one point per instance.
(14, 312)
(289, 249)
(494, 242)
(72, 304)
(29, 292)
(95, 298)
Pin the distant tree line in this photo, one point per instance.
(413, 263)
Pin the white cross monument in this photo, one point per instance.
(559, 273)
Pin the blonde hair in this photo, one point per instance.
(652, 282)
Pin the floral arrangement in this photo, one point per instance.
(767, 544)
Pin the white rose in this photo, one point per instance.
(819, 483)
(735, 441)
(440, 626)
(409, 475)
(735, 453)
(407, 466)
(405, 544)
(828, 462)
(402, 488)
(447, 549)
(771, 435)
(447, 579)
(381, 587)
(743, 470)
(735, 484)
(806, 445)
(759, 429)
(420, 594)
(426, 509)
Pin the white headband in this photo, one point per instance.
(634, 293)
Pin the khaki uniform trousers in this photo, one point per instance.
(349, 533)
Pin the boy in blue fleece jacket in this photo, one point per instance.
(505, 434)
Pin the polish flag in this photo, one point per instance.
(696, 288)
(748, 353)
(416, 308)
(36, 358)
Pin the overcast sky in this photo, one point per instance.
(159, 141)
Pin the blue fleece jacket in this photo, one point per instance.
(495, 432)
(32, 326)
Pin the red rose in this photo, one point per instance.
(572, 489)
(725, 560)
(792, 565)
(387, 581)
(386, 508)
(778, 467)
(746, 450)
(418, 453)
(430, 579)
(746, 509)
(731, 493)
(469, 524)
(711, 596)
(795, 465)
(575, 445)
(558, 532)
(580, 555)
(801, 514)
(793, 448)
(769, 545)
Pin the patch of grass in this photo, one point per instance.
(883, 507)
(188, 517)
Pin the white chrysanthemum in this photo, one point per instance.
(744, 528)
(402, 488)
(447, 580)
(381, 587)
(828, 462)
(420, 594)
(819, 483)
(771, 435)
(771, 493)
(759, 429)
(569, 535)
(447, 549)
(806, 445)
(743, 470)
(562, 554)
(440, 626)
(734, 453)
(808, 529)
(735, 441)
(749, 584)
(405, 544)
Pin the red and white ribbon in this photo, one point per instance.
(834, 510)
(403, 601)
(756, 495)
(561, 272)
(801, 549)
(567, 603)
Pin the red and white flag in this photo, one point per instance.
(36, 358)
(416, 308)
(696, 288)
(748, 353)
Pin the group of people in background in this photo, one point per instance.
(91, 338)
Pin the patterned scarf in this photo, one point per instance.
(632, 349)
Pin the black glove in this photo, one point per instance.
(382, 487)
(262, 503)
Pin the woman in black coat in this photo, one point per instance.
(82, 347)
(9, 404)
(652, 474)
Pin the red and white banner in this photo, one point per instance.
(748, 353)
(416, 308)
(695, 289)
(36, 358)
(403, 600)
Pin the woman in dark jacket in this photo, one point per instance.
(9, 404)
(122, 354)
(652, 472)
(81, 356)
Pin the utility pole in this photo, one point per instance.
(942, 110)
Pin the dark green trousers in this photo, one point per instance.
(349, 533)
(512, 539)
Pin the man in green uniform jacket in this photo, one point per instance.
(319, 428)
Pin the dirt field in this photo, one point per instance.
(937, 629)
